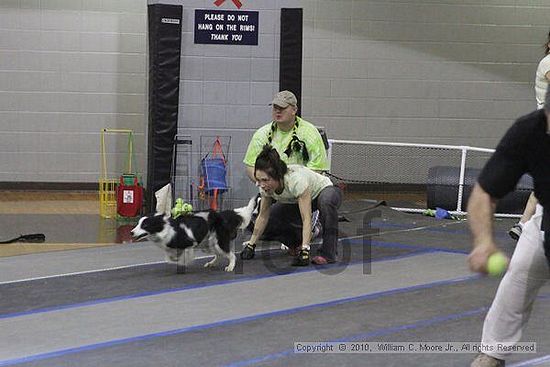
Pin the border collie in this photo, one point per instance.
(209, 229)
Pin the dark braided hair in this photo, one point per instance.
(269, 161)
(295, 144)
(546, 48)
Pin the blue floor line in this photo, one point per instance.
(375, 295)
(419, 250)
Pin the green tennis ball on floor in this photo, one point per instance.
(187, 208)
(497, 264)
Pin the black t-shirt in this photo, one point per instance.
(525, 148)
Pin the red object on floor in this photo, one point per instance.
(129, 198)
(124, 233)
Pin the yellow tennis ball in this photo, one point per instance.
(497, 264)
(187, 207)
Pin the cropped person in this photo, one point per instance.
(296, 140)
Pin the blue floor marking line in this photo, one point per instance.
(418, 250)
(375, 295)
(365, 336)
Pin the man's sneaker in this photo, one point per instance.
(515, 231)
(483, 360)
(302, 259)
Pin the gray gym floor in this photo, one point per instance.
(402, 278)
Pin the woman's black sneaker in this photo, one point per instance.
(248, 252)
(302, 259)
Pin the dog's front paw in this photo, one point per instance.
(229, 268)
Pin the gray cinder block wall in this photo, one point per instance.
(423, 71)
(453, 72)
(68, 69)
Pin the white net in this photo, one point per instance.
(377, 163)
(417, 176)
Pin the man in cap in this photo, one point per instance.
(298, 142)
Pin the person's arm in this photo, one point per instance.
(261, 221)
(481, 208)
(304, 203)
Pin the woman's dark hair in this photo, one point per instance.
(547, 49)
(269, 161)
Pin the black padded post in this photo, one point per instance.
(164, 71)
(290, 62)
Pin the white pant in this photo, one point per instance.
(518, 289)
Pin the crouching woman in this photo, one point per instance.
(300, 191)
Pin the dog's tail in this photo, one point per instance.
(246, 212)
